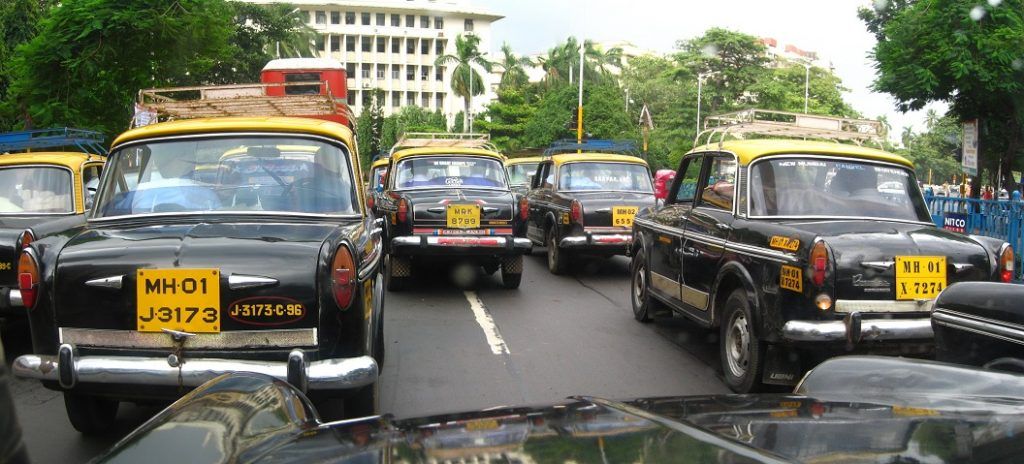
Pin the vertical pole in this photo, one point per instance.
(807, 86)
(579, 112)
(700, 82)
(469, 111)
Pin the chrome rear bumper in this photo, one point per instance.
(854, 329)
(486, 243)
(596, 240)
(69, 369)
(10, 300)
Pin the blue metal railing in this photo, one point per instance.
(992, 218)
(86, 141)
(624, 147)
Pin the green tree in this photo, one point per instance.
(672, 105)
(464, 78)
(370, 128)
(513, 72)
(563, 61)
(962, 52)
(729, 61)
(19, 23)
(506, 118)
(782, 88)
(261, 33)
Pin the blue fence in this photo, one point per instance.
(1000, 219)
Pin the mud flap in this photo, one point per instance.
(782, 366)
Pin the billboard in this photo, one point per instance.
(970, 159)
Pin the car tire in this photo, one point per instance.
(512, 271)
(364, 402)
(740, 351)
(558, 259)
(90, 415)
(396, 283)
(640, 295)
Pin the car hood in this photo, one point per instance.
(252, 418)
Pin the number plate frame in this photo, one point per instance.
(462, 216)
(171, 294)
(622, 216)
(920, 277)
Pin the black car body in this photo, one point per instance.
(980, 324)
(853, 409)
(777, 243)
(269, 266)
(585, 203)
(452, 203)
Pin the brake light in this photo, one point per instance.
(576, 212)
(369, 202)
(403, 210)
(1006, 264)
(26, 239)
(819, 263)
(28, 279)
(343, 277)
(524, 208)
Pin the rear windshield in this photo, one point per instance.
(519, 174)
(36, 190)
(450, 172)
(834, 188)
(604, 176)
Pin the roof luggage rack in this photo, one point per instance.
(770, 123)
(622, 147)
(444, 139)
(86, 141)
(240, 100)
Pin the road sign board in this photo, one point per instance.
(970, 159)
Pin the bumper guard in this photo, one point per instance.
(596, 240)
(853, 329)
(517, 245)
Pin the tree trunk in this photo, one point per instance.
(465, 113)
(1013, 145)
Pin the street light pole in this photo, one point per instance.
(807, 85)
(700, 83)
(579, 113)
(469, 111)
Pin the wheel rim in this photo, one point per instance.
(639, 286)
(552, 251)
(737, 345)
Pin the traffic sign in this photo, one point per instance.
(970, 159)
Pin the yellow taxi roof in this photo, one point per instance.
(442, 151)
(239, 124)
(528, 159)
(574, 157)
(67, 159)
(380, 162)
(749, 150)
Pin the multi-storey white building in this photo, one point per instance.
(392, 45)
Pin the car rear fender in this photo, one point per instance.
(733, 275)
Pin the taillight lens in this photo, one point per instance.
(28, 279)
(1006, 265)
(369, 201)
(343, 277)
(524, 208)
(819, 263)
(576, 212)
(403, 210)
(26, 239)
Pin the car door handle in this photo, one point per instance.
(689, 252)
(725, 227)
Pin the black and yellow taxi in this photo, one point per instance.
(520, 171)
(214, 246)
(585, 203)
(452, 203)
(797, 250)
(376, 181)
(41, 188)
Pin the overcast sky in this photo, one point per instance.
(829, 27)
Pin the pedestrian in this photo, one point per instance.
(986, 193)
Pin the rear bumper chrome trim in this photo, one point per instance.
(514, 244)
(596, 240)
(14, 298)
(884, 306)
(69, 370)
(867, 330)
(107, 338)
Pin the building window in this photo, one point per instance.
(381, 18)
(335, 43)
(410, 99)
(396, 99)
(438, 22)
(425, 22)
(396, 20)
(350, 43)
(425, 100)
(382, 70)
(321, 43)
(353, 96)
(350, 17)
(439, 46)
(410, 72)
(440, 101)
(396, 45)
(365, 71)
(439, 73)
(335, 17)
(367, 43)
(410, 20)
(350, 70)
(396, 71)
(424, 46)
(364, 18)
(321, 17)
(468, 25)
(424, 73)
(410, 46)
(382, 44)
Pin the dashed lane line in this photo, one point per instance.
(483, 318)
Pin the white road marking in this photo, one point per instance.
(483, 318)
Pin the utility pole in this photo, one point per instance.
(469, 111)
(579, 112)
(700, 83)
(807, 85)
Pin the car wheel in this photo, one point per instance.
(558, 259)
(363, 402)
(640, 297)
(397, 272)
(741, 352)
(511, 271)
(90, 415)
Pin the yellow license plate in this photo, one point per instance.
(622, 216)
(481, 424)
(178, 299)
(920, 277)
(463, 216)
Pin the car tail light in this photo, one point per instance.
(26, 239)
(576, 212)
(343, 277)
(819, 263)
(369, 202)
(524, 208)
(1006, 264)
(403, 210)
(28, 279)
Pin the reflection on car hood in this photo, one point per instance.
(251, 418)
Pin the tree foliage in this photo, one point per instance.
(466, 81)
(506, 118)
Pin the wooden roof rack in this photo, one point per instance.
(757, 123)
(444, 139)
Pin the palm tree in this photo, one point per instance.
(931, 119)
(464, 78)
(907, 136)
(514, 75)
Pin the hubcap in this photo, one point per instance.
(639, 285)
(552, 252)
(737, 345)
